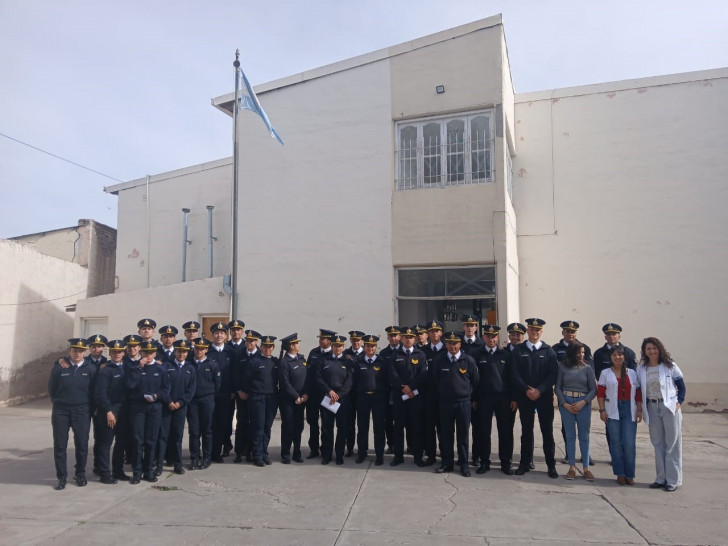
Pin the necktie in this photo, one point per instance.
(454, 359)
(409, 352)
(470, 342)
(369, 361)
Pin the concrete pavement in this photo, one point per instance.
(362, 504)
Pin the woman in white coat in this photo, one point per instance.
(620, 407)
(663, 390)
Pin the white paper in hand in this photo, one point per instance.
(326, 402)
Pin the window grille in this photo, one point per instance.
(447, 151)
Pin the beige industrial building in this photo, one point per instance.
(416, 184)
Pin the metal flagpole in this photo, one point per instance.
(234, 280)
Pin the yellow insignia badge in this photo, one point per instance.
(377, 368)
(462, 370)
(415, 361)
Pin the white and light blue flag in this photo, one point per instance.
(249, 101)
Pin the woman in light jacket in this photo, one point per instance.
(663, 391)
(620, 407)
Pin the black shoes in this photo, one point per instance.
(339, 460)
(178, 469)
(218, 459)
(120, 476)
(158, 471)
(444, 468)
(464, 471)
(238, 459)
(150, 477)
(313, 455)
(80, 480)
(507, 470)
(325, 460)
(135, 479)
(670, 488)
(226, 451)
(360, 459)
(285, 460)
(396, 461)
(482, 469)
(420, 463)
(194, 465)
(259, 462)
(552, 472)
(204, 464)
(108, 480)
(298, 459)
(521, 470)
(267, 461)
(429, 461)
(349, 452)
(379, 461)
(60, 484)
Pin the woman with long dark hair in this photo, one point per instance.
(620, 407)
(664, 392)
(576, 388)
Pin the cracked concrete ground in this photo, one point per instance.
(363, 504)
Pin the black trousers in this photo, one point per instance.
(106, 436)
(313, 408)
(351, 425)
(292, 418)
(263, 409)
(498, 405)
(222, 423)
(432, 423)
(341, 418)
(96, 424)
(389, 421)
(199, 426)
(408, 415)
(478, 440)
(169, 445)
(63, 419)
(242, 427)
(545, 408)
(374, 405)
(452, 413)
(146, 418)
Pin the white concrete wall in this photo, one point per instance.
(315, 214)
(34, 324)
(137, 264)
(621, 196)
(172, 304)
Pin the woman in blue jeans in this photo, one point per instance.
(620, 407)
(575, 389)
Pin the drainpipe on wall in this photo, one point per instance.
(211, 238)
(185, 242)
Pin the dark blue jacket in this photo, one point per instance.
(72, 386)
(292, 376)
(110, 392)
(182, 382)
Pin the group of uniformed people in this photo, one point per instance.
(424, 388)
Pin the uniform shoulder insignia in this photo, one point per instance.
(463, 370)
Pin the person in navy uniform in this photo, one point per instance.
(96, 346)
(236, 348)
(71, 391)
(147, 328)
(191, 331)
(602, 360)
(243, 434)
(148, 387)
(182, 384)
(408, 378)
(292, 397)
(260, 389)
(422, 338)
(456, 376)
(313, 407)
(472, 344)
(167, 337)
(202, 406)
(372, 390)
(112, 414)
(493, 397)
(432, 351)
(333, 378)
(354, 351)
(534, 368)
(222, 420)
(393, 338)
(569, 328)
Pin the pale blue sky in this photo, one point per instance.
(124, 87)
